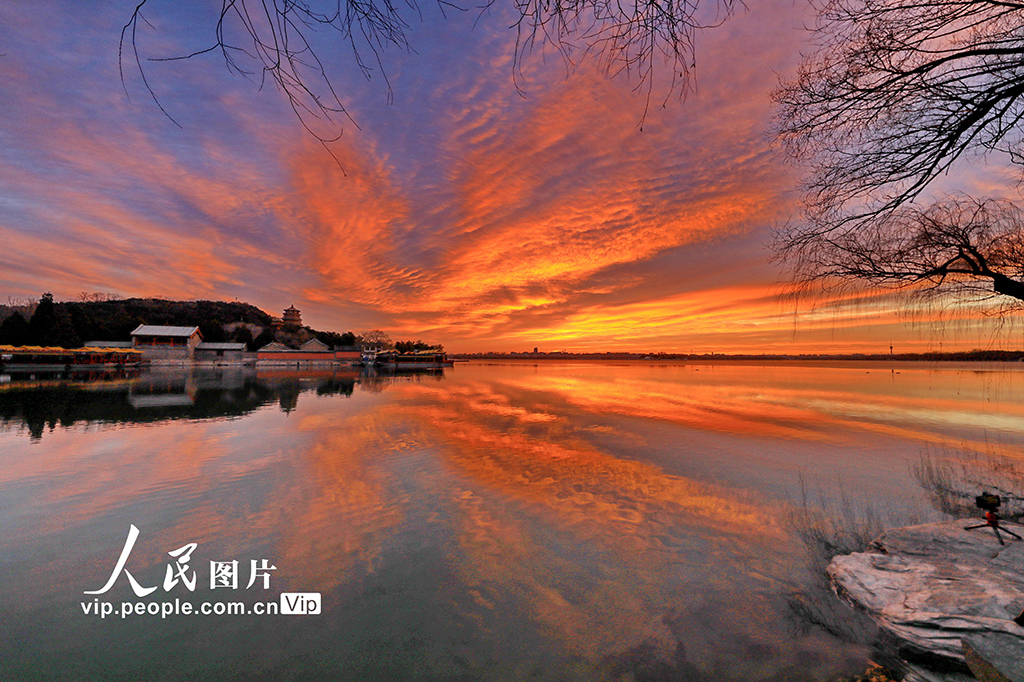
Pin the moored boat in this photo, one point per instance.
(31, 358)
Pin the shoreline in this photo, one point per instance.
(946, 596)
(993, 356)
(867, 364)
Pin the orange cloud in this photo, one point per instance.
(554, 200)
(463, 214)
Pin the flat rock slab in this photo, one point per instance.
(993, 658)
(936, 585)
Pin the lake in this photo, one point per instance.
(497, 521)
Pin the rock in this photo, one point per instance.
(994, 658)
(934, 587)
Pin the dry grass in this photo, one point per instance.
(829, 526)
(953, 477)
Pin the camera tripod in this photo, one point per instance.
(992, 521)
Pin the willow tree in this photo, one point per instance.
(895, 94)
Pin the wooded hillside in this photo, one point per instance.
(72, 323)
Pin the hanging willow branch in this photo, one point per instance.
(895, 93)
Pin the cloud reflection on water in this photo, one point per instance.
(505, 516)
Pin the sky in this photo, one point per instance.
(470, 200)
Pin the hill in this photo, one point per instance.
(72, 323)
(115, 320)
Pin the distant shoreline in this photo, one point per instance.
(967, 356)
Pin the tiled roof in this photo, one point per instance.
(161, 330)
(314, 345)
(213, 345)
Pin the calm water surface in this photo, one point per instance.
(506, 521)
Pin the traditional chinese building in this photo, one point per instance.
(292, 317)
(220, 352)
(159, 342)
(311, 352)
(314, 346)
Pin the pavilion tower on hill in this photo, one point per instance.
(292, 316)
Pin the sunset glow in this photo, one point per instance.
(559, 208)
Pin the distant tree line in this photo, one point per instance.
(49, 325)
(956, 356)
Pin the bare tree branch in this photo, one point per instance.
(277, 41)
(895, 93)
(966, 246)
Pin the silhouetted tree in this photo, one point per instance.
(43, 325)
(376, 337)
(97, 297)
(242, 335)
(411, 346)
(262, 339)
(15, 330)
(958, 245)
(212, 332)
(335, 340)
(895, 93)
(65, 334)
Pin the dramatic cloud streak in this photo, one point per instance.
(463, 213)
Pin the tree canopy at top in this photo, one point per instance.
(274, 39)
(895, 93)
